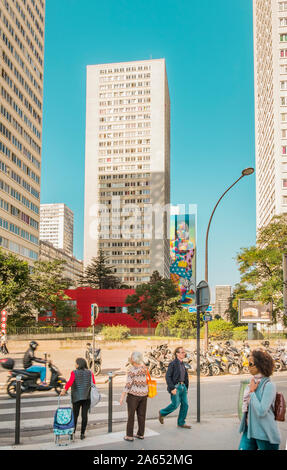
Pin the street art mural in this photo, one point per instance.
(182, 252)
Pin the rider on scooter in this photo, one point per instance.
(29, 358)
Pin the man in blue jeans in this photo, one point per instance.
(177, 386)
(29, 358)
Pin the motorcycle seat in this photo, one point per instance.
(26, 372)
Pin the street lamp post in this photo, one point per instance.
(245, 172)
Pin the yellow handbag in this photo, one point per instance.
(152, 390)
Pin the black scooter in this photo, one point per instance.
(29, 379)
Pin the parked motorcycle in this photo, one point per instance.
(98, 359)
(29, 380)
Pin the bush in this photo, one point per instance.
(160, 330)
(240, 333)
(220, 330)
(115, 333)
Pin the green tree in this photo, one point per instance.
(14, 278)
(150, 298)
(240, 292)
(100, 275)
(184, 320)
(47, 284)
(44, 289)
(261, 265)
(66, 313)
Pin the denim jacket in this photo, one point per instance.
(261, 418)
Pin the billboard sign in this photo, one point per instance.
(253, 311)
(182, 252)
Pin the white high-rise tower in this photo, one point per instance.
(270, 79)
(128, 167)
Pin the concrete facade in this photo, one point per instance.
(22, 27)
(222, 297)
(73, 268)
(270, 86)
(57, 226)
(127, 168)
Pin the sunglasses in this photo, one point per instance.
(251, 364)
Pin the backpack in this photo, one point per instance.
(279, 406)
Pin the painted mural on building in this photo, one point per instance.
(182, 252)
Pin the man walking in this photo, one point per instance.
(177, 386)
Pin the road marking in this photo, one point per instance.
(34, 423)
(45, 408)
(37, 399)
(96, 440)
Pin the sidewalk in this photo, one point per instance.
(214, 433)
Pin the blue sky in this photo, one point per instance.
(208, 47)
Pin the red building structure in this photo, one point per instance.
(111, 303)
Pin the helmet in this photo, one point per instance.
(33, 344)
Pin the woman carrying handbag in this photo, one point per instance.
(137, 392)
(80, 381)
(258, 425)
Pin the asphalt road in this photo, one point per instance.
(218, 396)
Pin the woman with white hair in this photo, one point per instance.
(137, 391)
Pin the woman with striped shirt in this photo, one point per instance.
(137, 391)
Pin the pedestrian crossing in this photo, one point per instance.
(38, 412)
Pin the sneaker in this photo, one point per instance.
(160, 418)
(186, 426)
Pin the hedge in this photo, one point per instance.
(115, 333)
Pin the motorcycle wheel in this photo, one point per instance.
(278, 366)
(59, 387)
(233, 369)
(11, 389)
(215, 369)
(97, 369)
(156, 372)
(204, 369)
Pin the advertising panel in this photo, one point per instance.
(253, 311)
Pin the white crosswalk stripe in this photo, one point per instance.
(31, 409)
(37, 412)
(26, 399)
(37, 423)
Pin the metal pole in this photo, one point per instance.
(198, 360)
(18, 409)
(285, 283)
(93, 365)
(110, 409)
(206, 253)
(46, 367)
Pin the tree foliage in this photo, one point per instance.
(14, 278)
(99, 274)
(151, 298)
(43, 290)
(261, 265)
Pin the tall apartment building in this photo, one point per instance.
(270, 78)
(222, 300)
(57, 226)
(22, 26)
(72, 269)
(127, 172)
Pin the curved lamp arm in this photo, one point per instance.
(246, 172)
